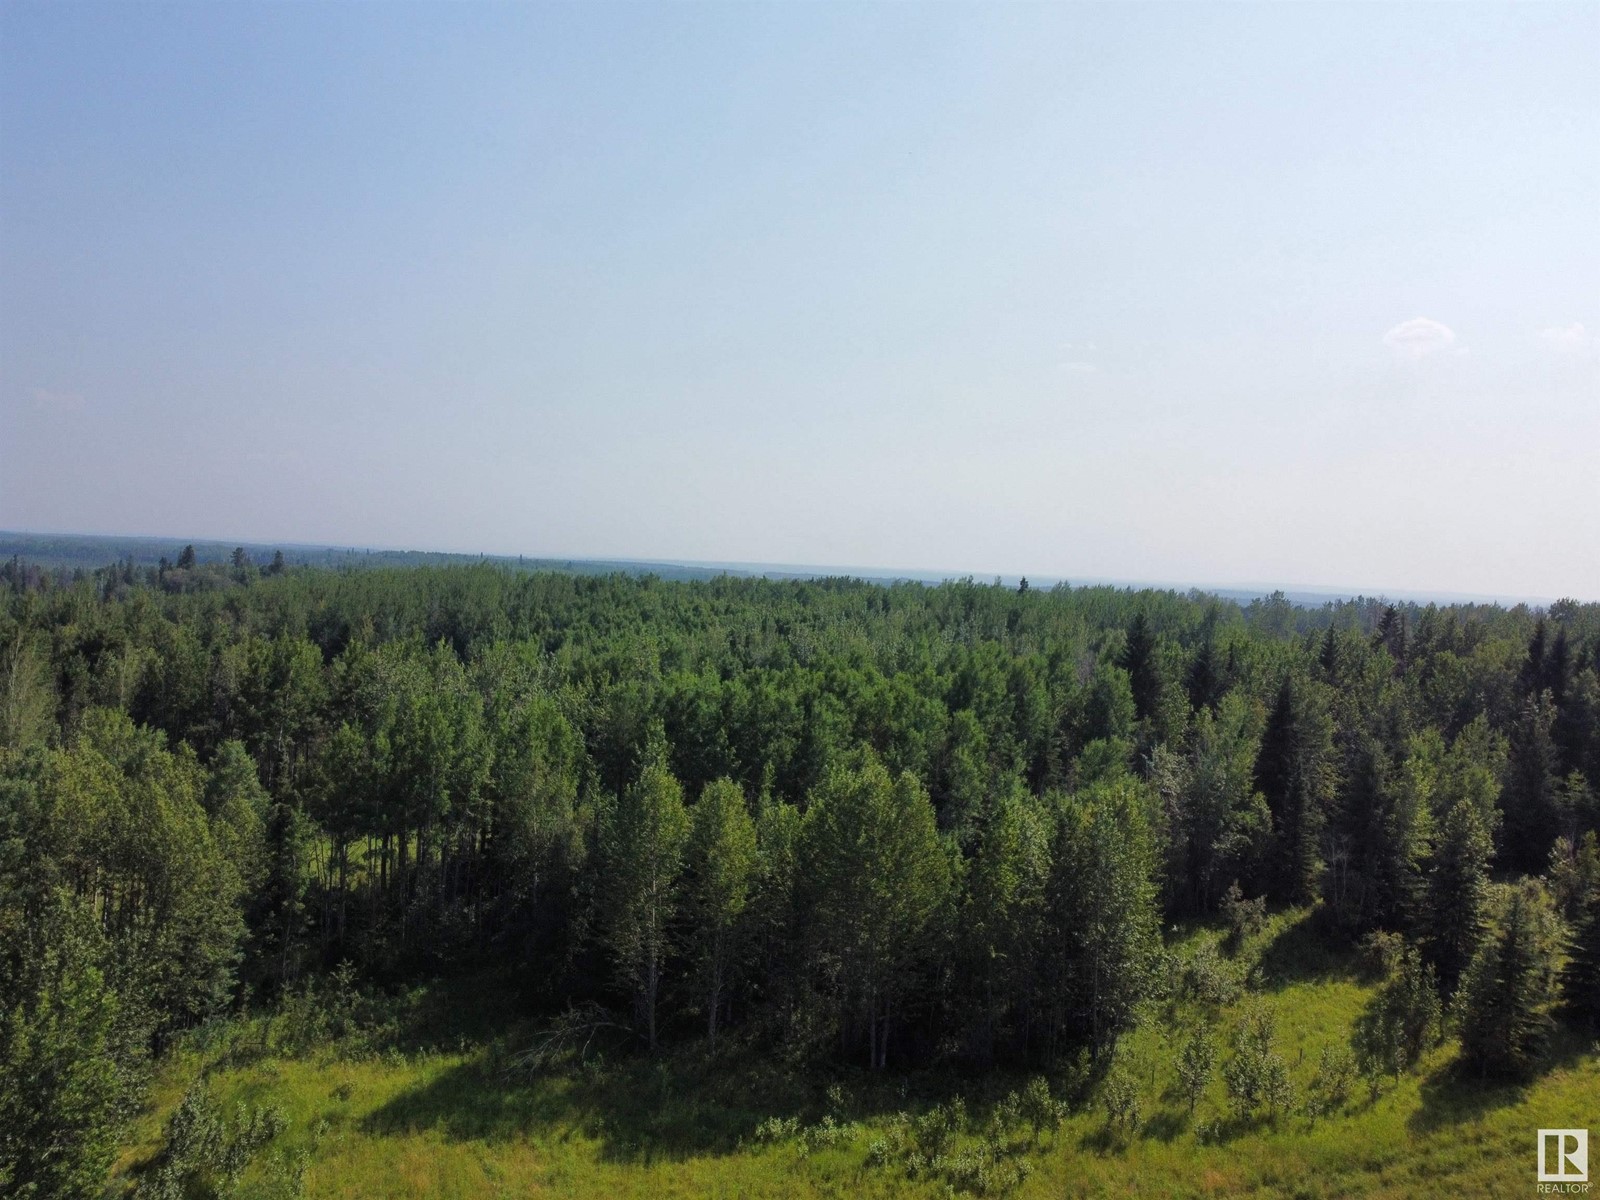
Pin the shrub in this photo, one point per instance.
(1256, 1075)
(1209, 979)
(1038, 1108)
(936, 1129)
(205, 1156)
(777, 1129)
(1401, 1020)
(1381, 952)
(1330, 1086)
(1245, 918)
(1120, 1095)
(825, 1133)
(1195, 1065)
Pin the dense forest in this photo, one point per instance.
(878, 827)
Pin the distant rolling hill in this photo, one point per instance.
(88, 551)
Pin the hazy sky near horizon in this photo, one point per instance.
(1285, 294)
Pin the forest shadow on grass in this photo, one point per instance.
(677, 1106)
(1302, 951)
(1453, 1094)
(639, 1109)
(1167, 1124)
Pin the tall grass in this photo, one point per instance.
(447, 1120)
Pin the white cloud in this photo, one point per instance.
(1080, 368)
(1567, 339)
(1418, 337)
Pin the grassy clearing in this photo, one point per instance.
(448, 1123)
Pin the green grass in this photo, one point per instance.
(434, 1123)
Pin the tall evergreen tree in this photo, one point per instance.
(1138, 659)
(1295, 772)
(1204, 680)
(1529, 798)
(1222, 824)
(1507, 992)
(1580, 979)
(1457, 899)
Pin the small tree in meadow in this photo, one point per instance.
(1196, 1064)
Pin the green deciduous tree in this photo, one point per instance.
(645, 837)
(1401, 1021)
(1103, 906)
(1196, 1064)
(722, 871)
(878, 875)
(66, 1071)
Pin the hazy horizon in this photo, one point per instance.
(1223, 294)
(870, 571)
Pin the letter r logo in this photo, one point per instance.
(1563, 1156)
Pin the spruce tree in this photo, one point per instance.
(1295, 772)
(1530, 797)
(1138, 659)
(1203, 681)
(1580, 980)
(1507, 991)
(1457, 899)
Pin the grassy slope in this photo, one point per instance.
(441, 1125)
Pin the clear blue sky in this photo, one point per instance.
(1283, 294)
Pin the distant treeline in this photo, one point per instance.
(75, 553)
(890, 825)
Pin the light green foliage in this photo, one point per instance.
(438, 773)
(1257, 1075)
(645, 841)
(1039, 1108)
(237, 806)
(1103, 899)
(1005, 909)
(1119, 1094)
(1196, 1063)
(878, 875)
(1208, 978)
(27, 697)
(1330, 1086)
(1401, 1022)
(1244, 917)
(1574, 873)
(722, 867)
(66, 1070)
(205, 1155)
(131, 820)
